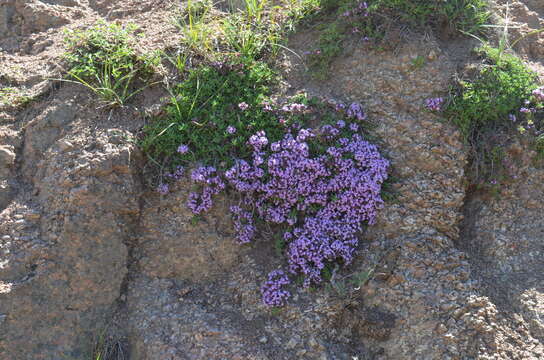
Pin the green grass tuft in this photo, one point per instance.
(462, 15)
(351, 19)
(103, 58)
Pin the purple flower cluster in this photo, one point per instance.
(539, 94)
(320, 198)
(163, 189)
(339, 106)
(267, 106)
(243, 224)
(434, 104)
(530, 114)
(183, 149)
(212, 185)
(272, 292)
(258, 140)
(231, 130)
(355, 111)
(323, 199)
(360, 9)
(293, 108)
(177, 174)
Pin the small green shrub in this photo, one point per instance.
(195, 21)
(499, 89)
(243, 38)
(345, 286)
(500, 100)
(103, 58)
(206, 104)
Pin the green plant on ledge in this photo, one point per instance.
(103, 58)
(500, 99)
(367, 21)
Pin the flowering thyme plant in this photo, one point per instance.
(531, 114)
(319, 186)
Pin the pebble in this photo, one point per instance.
(291, 344)
(441, 329)
(65, 145)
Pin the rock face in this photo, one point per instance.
(85, 246)
(64, 250)
(173, 245)
(528, 17)
(19, 17)
(7, 161)
(503, 235)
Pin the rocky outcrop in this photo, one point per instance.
(25, 17)
(7, 161)
(173, 244)
(503, 236)
(64, 244)
(392, 316)
(524, 20)
(454, 275)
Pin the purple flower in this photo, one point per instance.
(267, 106)
(524, 110)
(512, 117)
(177, 174)
(275, 146)
(539, 94)
(231, 130)
(183, 149)
(258, 140)
(434, 104)
(294, 108)
(319, 190)
(355, 110)
(243, 224)
(340, 107)
(211, 185)
(273, 294)
(243, 106)
(163, 189)
(304, 134)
